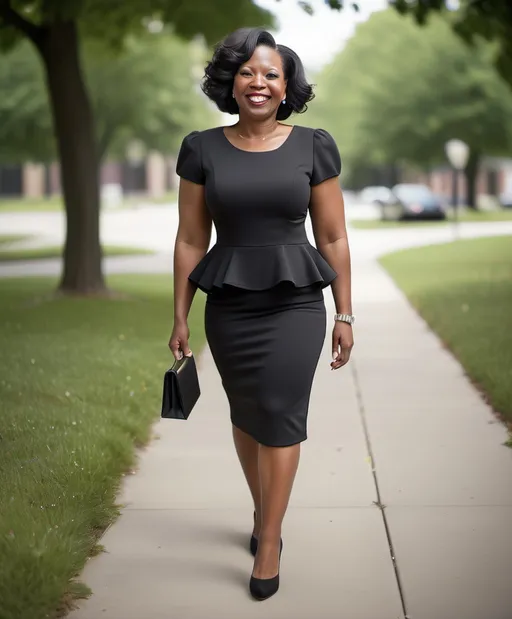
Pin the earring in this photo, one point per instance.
(233, 95)
(283, 102)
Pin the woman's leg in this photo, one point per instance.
(277, 469)
(247, 449)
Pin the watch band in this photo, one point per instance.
(348, 318)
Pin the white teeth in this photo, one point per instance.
(258, 99)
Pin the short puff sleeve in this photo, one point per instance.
(189, 165)
(326, 157)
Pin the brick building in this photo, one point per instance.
(153, 176)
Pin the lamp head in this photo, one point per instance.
(457, 152)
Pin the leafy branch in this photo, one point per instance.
(12, 19)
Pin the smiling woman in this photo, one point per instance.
(265, 318)
(275, 72)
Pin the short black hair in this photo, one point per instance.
(237, 48)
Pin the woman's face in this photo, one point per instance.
(259, 85)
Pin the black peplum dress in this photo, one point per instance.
(265, 314)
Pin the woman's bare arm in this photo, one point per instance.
(192, 242)
(328, 217)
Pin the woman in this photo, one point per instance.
(265, 313)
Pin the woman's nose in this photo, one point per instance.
(258, 81)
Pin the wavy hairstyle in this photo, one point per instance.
(237, 48)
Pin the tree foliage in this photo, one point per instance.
(398, 93)
(474, 19)
(26, 130)
(131, 100)
(111, 20)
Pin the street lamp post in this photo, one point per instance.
(457, 153)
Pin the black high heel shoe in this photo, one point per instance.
(263, 588)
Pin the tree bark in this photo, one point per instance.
(471, 174)
(74, 129)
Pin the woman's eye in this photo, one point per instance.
(245, 73)
(272, 76)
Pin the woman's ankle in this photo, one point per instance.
(270, 536)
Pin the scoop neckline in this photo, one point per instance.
(256, 152)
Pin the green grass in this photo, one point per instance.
(7, 239)
(464, 292)
(80, 384)
(20, 205)
(40, 253)
(466, 216)
(55, 203)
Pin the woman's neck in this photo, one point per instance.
(251, 129)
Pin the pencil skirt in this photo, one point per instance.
(266, 346)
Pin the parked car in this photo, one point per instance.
(410, 201)
(374, 195)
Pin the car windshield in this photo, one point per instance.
(413, 192)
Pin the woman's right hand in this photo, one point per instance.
(179, 341)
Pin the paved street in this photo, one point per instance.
(401, 427)
(154, 227)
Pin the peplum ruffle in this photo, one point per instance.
(261, 267)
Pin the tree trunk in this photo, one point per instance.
(471, 174)
(74, 129)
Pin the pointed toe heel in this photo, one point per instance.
(264, 588)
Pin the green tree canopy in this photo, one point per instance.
(111, 21)
(26, 130)
(474, 19)
(398, 93)
(131, 100)
(148, 93)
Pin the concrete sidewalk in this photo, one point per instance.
(400, 427)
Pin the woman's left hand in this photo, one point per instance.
(342, 343)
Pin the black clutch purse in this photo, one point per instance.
(181, 389)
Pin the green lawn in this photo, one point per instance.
(55, 203)
(464, 292)
(80, 384)
(40, 253)
(466, 216)
(7, 239)
(16, 205)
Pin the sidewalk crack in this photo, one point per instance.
(378, 503)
